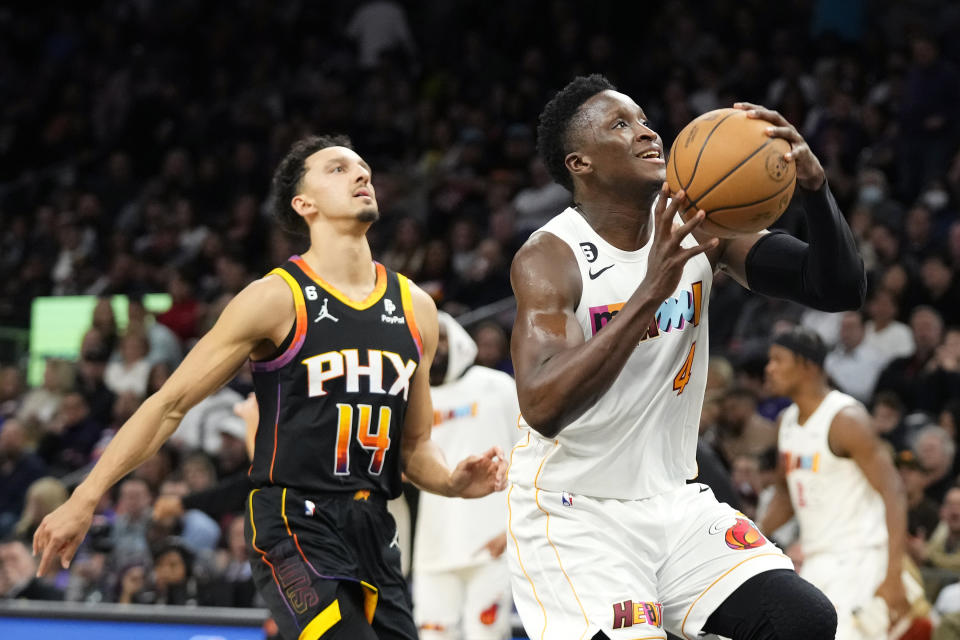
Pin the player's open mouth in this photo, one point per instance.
(652, 155)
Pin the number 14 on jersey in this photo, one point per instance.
(377, 442)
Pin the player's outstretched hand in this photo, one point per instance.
(810, 173)
(477, 476)
(60, 533)
(667, 257)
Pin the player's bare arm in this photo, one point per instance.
(423, 461)
(828, 273)
(780, 509)
(851, 437)
(242, 330)
(559, 374)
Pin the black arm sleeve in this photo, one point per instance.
(826, 274)
(227, 496)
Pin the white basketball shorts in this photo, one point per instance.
(849, 579)
(464, 604)
(629, 568)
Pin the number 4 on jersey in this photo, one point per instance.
(683, 376)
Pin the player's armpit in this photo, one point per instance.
(242, 328)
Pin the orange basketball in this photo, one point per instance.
(733, 170)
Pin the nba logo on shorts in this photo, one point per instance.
(309, 508)
(566, 499)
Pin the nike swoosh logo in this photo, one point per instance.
(594, 276)
(702, 489)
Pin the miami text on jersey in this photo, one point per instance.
(442, 415)
(793, 462)
(673, 315)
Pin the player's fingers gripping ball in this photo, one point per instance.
(732, 169)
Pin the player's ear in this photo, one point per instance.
(578, 163)
(302, 205)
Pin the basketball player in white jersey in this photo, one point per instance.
(605, 537)
(461, 583)
(840, 481)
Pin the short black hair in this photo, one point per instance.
(286, 178)
(553, 131)
(804, 343)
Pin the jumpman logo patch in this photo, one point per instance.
(396, 539)
(324, 314)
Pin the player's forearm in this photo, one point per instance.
(826, 274)
(895, 505)
(425, 466)
(134, 443)
(570, 382)
(779, 511)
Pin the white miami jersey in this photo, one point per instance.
(836, 507)
(640, 438)
(470, 414)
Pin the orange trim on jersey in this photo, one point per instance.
(515, 447)
(704, 592)
(300, 325)
(322, 622)
(276, 435)
(253, 542)
(370, 594)
(379, 287)
(370, 597)
(407, 301)
(253, 525)
(522, 568)
(516, 544)
(536, 498)
(283, 512)
(543, 462)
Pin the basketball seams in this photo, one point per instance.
(751, 204)
(703, 146)
(727, 174)
(735, 188)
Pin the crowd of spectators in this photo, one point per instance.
(137, 140)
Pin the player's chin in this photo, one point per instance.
(645, 173)
(368, 214)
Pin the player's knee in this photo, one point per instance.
(798, 610)
(811, 615)
(775, 605)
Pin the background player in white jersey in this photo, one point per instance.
(461, 584)
(605, 537)
(840, 481)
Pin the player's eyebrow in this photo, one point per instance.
(342, 159)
